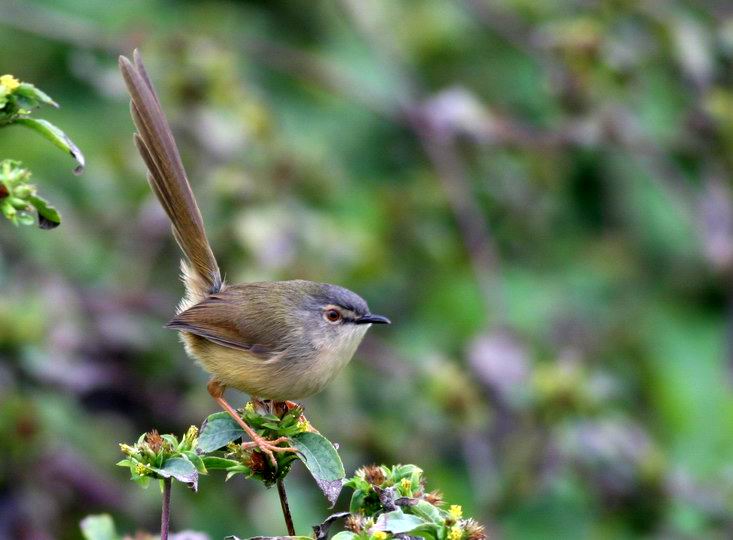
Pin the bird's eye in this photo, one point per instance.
(332, 315)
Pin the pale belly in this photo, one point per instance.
(286, 377)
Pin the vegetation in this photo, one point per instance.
(537, 193)
(18, 199)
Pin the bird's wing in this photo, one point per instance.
(218, 318)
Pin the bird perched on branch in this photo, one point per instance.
(277, 340)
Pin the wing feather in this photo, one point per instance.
(218, 318)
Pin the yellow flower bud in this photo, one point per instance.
(249, 407)
(141, 469)
(379, 535)
(127, 449)
(455, 533)
(191, 435)
(406, 486)
(455, 512)
(9, 82)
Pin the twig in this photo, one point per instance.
(165, 515)
(285, 507)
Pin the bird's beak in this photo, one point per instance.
(372, 319)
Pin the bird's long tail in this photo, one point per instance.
(168, 180)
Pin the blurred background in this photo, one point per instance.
(536, 192)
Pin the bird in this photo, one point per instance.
(274, 340)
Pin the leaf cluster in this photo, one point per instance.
(164, 456)
(219, 446)
(19, 201)
(220, 431)
(391, 501)
(18, 99)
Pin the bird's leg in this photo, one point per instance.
(216, 390)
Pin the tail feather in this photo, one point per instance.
(168, 181)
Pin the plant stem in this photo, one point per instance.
(285, 507)
(165, 515)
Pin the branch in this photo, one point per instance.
(285, 507)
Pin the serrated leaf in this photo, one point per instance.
(99, 527)
(218, 430)
(323, 462)
(47, 130)
(398, 522)
(181, 469)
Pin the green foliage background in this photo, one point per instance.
(536, 192)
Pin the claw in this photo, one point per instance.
(263, 445)
(268, 447)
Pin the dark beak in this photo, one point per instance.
(372, 319)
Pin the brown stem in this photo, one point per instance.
(165, 515)
(285, 507)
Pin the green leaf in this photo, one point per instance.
(99, 527)
(398, 522)
(357, 501)
(427, 511)
(48, 216)
(214, 463)
(194, 458)
(429, 532)
(344, 535)
(323, 462)
(181, 469)
(232, 537)
(30, 91)
(170, 439)
(57, 137)
(217, 431)
(143, 481)
(237, 469)
(320, 532)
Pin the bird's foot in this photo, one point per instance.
(268, 447)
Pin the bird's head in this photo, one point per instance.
(335, 317)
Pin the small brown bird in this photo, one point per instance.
(275, 340)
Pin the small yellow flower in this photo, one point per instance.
(455, 533)
(406, 485)
(455, 512)
(141, 469)
(304, 425)
(191, 435)
(379, 535)
(249, 407)
(9, 82)
(127, 449)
